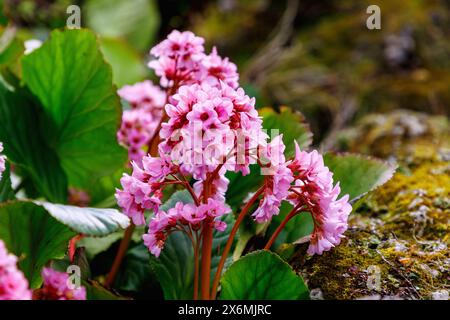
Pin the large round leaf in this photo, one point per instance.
(88, 221)
(81, 108)
(34, 236)
(358, 174)
(24, 143)
(262, 275)
(292, 124)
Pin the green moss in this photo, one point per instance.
(403, 227)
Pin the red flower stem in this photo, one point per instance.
(206, 259)
(191, 191)
(207, 237)
(229, 243)
(281, 226)
(119, 256)
(196, 269)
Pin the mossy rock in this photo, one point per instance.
(410, 137)
(402, 229)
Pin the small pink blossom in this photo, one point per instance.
(143, 189)
(13, 284)
(180, 44)
(217, 69)
(144, 95)
(183, 217)
(56, 287)
(178, 58)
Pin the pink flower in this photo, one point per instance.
(180, 44)
(217, 69)
(268, 207)
(178, 58)
(134, 199)
(183, 217)
(143, 190)
(203, 113)
(13, 284)
(57, 287)
(137, 129)
(277, 182)
(209, 126)
(2, 161)
(192, 214)
(144, 95)
(315, 191)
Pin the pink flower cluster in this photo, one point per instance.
(143, 190)
(278, 179)
(213, 127)
(56, 287)
(139, 124)
(205, 125)
(13, 285)
(2, 161)
(181, 61)
(186, 217)
(313, 189)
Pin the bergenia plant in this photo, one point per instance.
(210, 127)
(207, 171)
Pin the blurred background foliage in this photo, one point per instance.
(316, 57)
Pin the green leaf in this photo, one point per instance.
(292, 124)
(136, 21)
(6, 191)
(175, 266)
(358, 174)
(25, 146)
(128, 66)
(262, 275)
(88, 221)
(81, 108)
(136, 274)
(240, 186)
(299, 226)
(33, 235)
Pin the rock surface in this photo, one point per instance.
(398, 242)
